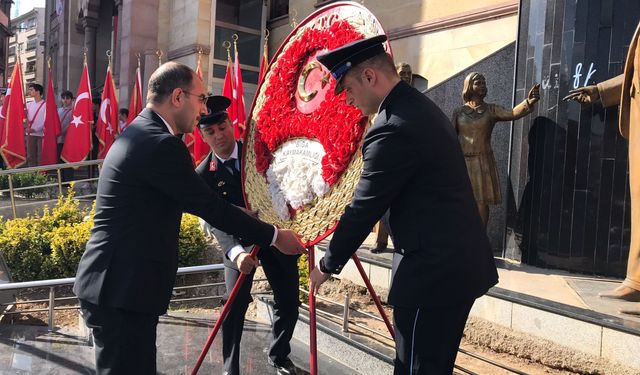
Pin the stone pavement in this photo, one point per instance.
(181, 336)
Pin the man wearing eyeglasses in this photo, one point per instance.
(128, 269)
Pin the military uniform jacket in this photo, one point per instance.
(229, 188)
(146, 182)
(413, 166)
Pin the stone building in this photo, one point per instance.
(27, 42)
(180, 30)
(5, 33)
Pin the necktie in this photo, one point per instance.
(231, 166)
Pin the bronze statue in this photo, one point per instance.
(405, 73)
(474, 122)
(623, 90)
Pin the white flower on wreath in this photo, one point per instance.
(295, 176)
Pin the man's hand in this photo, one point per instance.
(584, 95)
(246, 263)
(316, 278)
(288, 243)
(534, 94)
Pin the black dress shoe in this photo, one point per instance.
(379, 248)
(284, 367)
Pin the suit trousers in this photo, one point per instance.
(125, 341)
(282, 273)
(427, 338)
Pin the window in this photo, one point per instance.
(32, 44)
(279, 8)
(246, 13)
(31, 23)
(30, 67)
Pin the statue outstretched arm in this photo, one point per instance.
(522, 109)
(608, 92)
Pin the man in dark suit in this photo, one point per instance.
(126, 275)
(414, 167)
(221, 171)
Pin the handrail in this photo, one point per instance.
(45, 168)
(50, 167)
(71, 280)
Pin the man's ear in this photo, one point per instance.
(177, 96)
(369, 76)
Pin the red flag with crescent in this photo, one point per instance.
(51, 127)
(77, 143)
(200, 148)
(107, 127)
(12, 138)
(135, 104)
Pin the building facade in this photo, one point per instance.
(5, 33)
(27, 44)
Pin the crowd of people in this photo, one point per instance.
(35, 112)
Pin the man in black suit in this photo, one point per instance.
(414, 167)
(126, 274)
(221, 171)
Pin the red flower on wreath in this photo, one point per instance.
(336, 125)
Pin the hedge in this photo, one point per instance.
(49, 245)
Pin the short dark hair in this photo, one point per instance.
(36, 86)
(168, 77)
(123, 111)
(66, 94)
(96, 100)
(382, 61)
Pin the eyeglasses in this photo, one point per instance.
(202, 97)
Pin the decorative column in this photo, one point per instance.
(90, 25)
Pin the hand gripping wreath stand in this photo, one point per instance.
(327, 28)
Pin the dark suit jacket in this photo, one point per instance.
(228, 187)
(147, 181)
(413, 165)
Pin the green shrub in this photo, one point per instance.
(303, 273)
(25, 246)
(50, 245)
(67, 246)
(191, 243)
(26, 179)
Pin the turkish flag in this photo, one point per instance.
(200, 148)
(51, 127)
(227, 90)
(77, 142)
(135, 104)
(12, 144)
(107, 127)
(238, 97)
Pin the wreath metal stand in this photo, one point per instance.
(313, 348)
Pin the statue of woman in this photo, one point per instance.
(474, 123)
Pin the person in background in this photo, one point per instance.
(221, 171)
(123, 115)
(35, 124)
(64, 113)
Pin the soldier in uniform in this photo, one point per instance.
(413, 166)
(221, 171)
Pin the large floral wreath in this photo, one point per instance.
(281, 120)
